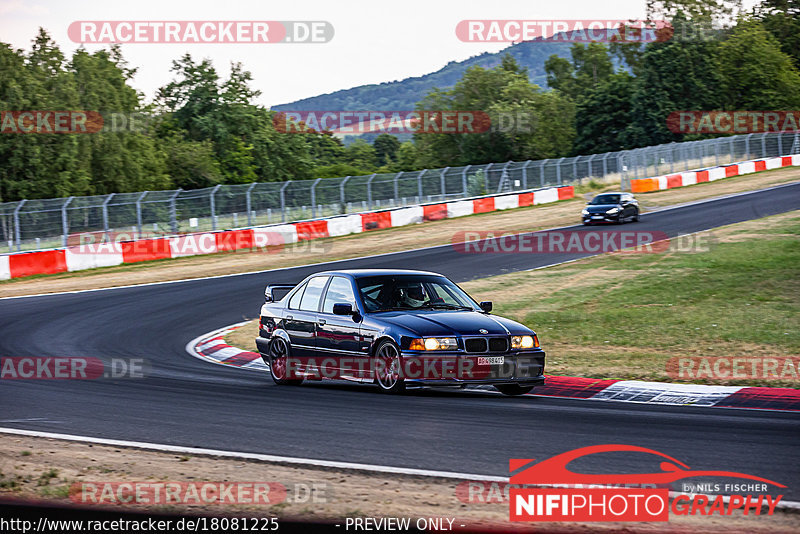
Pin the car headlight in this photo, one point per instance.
(584, 211)
(524, 342)
(433, 343)
(613, 210)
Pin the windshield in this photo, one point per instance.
(411, 292)
(605, 199)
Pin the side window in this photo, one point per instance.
(340, 291)
(312, 294)
(294, 302)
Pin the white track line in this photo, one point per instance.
(369, 468)
(677, 206)
(254, 456)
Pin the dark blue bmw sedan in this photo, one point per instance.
(393, 328)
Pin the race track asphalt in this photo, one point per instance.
(185, 401)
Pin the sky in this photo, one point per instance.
(374, 41)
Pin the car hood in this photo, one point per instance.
(448, 323)
(601, 208)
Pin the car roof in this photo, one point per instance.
(361, 273)
(613, 193)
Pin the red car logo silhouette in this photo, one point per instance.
(554, 470)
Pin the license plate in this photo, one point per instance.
(597, 216)
(491, 360)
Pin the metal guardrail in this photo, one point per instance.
(49, 223)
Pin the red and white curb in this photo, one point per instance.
(212, 347)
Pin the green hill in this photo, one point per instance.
(404, 94)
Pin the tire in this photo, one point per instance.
(512, 390)
(636, 216)
(388, 363)
(278, 356)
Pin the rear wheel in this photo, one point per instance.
(636, 216)
(513, 390)
(279, 363)
(387, 368)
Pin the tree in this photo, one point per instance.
(773, 84)
(386, 147)
(602, 119)
(675, 75)
(782, 19)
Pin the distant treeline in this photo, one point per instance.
(208, 131)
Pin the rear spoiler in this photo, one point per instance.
(276, 292)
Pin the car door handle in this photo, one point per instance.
(321, 322)
(289, 317)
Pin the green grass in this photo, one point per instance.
(623, 316)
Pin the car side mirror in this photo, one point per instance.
(486, 305)
(342, 309)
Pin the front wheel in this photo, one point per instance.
(387, 368)
(512, 390)
(636, 216)
(279, 363)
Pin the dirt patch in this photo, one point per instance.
(390, 240)
(45, 469)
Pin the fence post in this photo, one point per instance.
(139, 214)
(369, 191)
(464, 179)
(283, 200)
(780, 144)
(763, 144)
(64, 222)
(575, 168)
(419, 183)
(503, 175)
(213, 207)
(173, 211)
(558, 170)
(342, 199)
(249, 204)
(314, 198)
(747, 144)
(525, 175)
(441, 179)
(105, 216)
(17, 233)
(397, 186)
(589, 166)
(486, 179)
(541, 172)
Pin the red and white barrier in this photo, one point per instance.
(670, 181)
(91, 256)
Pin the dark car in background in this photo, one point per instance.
(611, 208)
(394, 328)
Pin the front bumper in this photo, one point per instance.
(449, 369)
(600, 218)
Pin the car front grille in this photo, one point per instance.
(482, 344)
